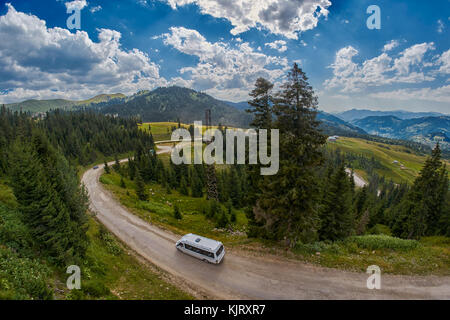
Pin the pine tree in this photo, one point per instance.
(261, 107)
(177, 213)
(107, 169)
(362, 223)
(140, 187)
(261, 104)
(116, 165)
(235, 187)
(425, 205)
(336, 215)
(223, 220)
(289, 199)
(122, 183)
(183, 187)
(197, 185)
(361, 201)
(213, 209)
(230, 211)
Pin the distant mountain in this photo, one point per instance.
(46, 105)
(172, 103)
(426, 130)
(333, 125)
(356, 114)
(330, 124)
(239, 105)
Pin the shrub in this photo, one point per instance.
(223, 220)
(380, 229)
(106, 180)
(177, 213)
(23, 278)
(13, 232)
(373, 242)
(320, 246)
(111, 244)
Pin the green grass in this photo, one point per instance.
(113, 272)
(47, 105)
(392, 255)
(386, 154)
(375, 241)
(159, 210)
(161, 130)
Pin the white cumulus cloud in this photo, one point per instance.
(283, 17)
(223, 70)
(279, 45)
(440, 94)
(41, 62)
(407, 67)
(390, 45)
(76, 5)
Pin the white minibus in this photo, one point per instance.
(202, 248)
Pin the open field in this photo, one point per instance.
(162, 130)
(408, 166)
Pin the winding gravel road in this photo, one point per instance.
(242, 277)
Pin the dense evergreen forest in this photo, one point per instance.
(49, 223)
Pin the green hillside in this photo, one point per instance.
(173, 103)
(46, 105)
(401, 163)
(426, 130)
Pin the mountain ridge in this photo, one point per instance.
(34, 105)
(426, 130)
(357, 114)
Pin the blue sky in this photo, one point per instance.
(222, 47)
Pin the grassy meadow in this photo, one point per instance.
(406, 170)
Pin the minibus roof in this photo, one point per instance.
(202, 242)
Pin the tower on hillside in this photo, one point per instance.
(211, 179)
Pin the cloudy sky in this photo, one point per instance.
(222, 46)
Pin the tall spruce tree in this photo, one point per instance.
(425, 206)
(183, 186)
(197, 184)
(261, 106)
(289, 199)
(140, 186)
(106, 167)
(336, 215)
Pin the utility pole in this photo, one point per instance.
(211, 179)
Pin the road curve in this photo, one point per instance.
(241, 277)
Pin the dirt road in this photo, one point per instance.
(242, 277)
(359, 181)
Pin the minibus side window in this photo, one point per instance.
(200, 251)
